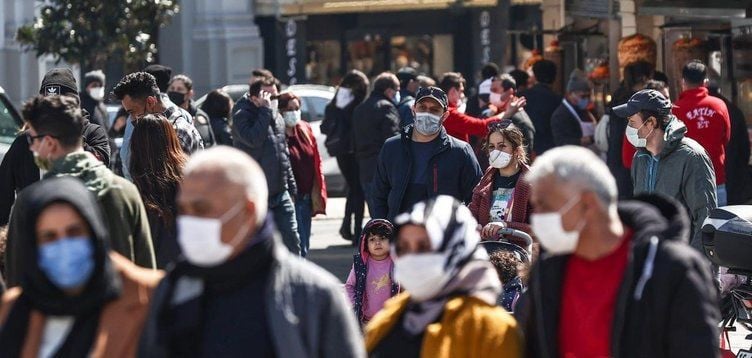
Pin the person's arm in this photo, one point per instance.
(694, 313)
(462, 123)
(470, 175)
(380, 189)
(350, 286)
(698, 190)
(390, 124)
(251, 132)
(96, 142)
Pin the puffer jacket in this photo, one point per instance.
(666, 305)
(682, 171)
(259, 133)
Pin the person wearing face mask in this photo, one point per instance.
(571, 122)
(180, 92)
(431, 162)
(54, 138)
(409, 84)
(77, 298)
(239, 292)
(666, 161)
(337, 126)
(449, 309)
(306, 166)
(613, 279)
(374, 121)
(501, 198)
(259, 130)
(504, 97)
(92, 98)
(139, 95)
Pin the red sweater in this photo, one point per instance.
(708, 123)
(462, 126)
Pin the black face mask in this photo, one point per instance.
(176, 97)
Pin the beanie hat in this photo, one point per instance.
(578, 82)
(59, 81)
(94, 76)
(162, 74)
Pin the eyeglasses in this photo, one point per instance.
(31, 138)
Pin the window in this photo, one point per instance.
(8, 121)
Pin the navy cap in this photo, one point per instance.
(432, 92)
(644, 100)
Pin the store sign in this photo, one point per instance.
(291, 51)
(601, 9)
(485, 36)
(488, 36)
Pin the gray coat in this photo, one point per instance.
(682, 171)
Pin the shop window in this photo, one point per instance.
(324, 62)
(367, 54)
(413, 51)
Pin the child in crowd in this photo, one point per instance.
(371, 282)
(512, 264)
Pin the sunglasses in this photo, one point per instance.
(430, 91)
(499, 125)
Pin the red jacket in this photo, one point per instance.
(318, 194)
(708, 123)
(462, 126)
(480, 206)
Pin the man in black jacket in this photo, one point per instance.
(423, 161)
(259, 130)
(571, 123)
(613, 280)
(541, 104)
(374, 121)
(18, 170)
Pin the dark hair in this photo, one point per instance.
(156, 165)
(217, 104)
(56, 116)
(637, 72)
(512, 135)
(663, 118)
(137, 85)
(694, 72)
(507, 82)
(185, 79)
(162, 75)
(261, 72)
(385, 81)
(255, 87)
(660, 76)
(520, 76)
(451, 80)
(489, 70)
(285, 99)
(507, 265)
(545, 71)
(655, 85)
(357, 82)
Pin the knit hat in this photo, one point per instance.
(578, 82)
(59, 81)
(162, 74)
(94, 76)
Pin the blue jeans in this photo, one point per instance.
(720, 192)
(303, 212)
(283, 210)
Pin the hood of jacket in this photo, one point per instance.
(104, 282)
(655, 214)
(675, 132)
(84, 166)
(372, 225)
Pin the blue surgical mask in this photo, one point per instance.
(396, 97)
(583, 103)
(68, 262)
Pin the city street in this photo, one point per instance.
(328, 249)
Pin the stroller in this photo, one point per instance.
(519, 244)
(727, 241)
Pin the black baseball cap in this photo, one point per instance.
(432, 92)
(644, 100)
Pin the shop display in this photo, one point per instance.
(637, 47)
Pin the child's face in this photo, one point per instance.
(378, 246)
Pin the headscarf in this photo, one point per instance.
(38, 292)
(452, 231)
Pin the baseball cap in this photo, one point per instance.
(432, 92)
(644, 100)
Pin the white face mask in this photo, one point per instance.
(550, 232)
(427, 123)
(292, 118)
(422, 275)
(201, 238)
(344, 97)
(97, 93)
(495, 98)
(499, 159)
(634, 138)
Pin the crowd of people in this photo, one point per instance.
(500, 224)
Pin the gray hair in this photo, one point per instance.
(577, 167)
(237, 168)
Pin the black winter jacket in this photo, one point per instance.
(565, 127)
(337, 126)
(96, 140)
(257, 132)
(738, 171)
(222, 131)
(453, 170)
(541, 104)
(667, 304)
(373, 122)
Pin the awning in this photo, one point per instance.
(311, 7)
(697, 9)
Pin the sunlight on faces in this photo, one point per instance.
(548, 195)
(378, 247)
(496, 141)
(138, 108)
(429, 105)
(412, 239)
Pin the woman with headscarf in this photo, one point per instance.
(449, 309)
(76, 297)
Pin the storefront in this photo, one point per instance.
(319, 44)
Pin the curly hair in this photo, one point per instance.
(507, 265)
(137, 85)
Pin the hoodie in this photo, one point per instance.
(357, 285)
(121, 205)
(666, 306)
(682, 171)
